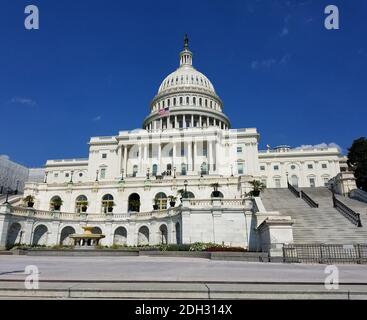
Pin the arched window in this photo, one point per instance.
(134, 202)
(161, 200)
(200, 102)
(216, 194)
(174, 101)
(55, 203)
(107, 203)
(190, 195)
(81, 204)
(187, 100)
(154, 170)
(194, 101)
(181, 101)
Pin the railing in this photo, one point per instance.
(347, 212)
(325, 253)
(309, 200)
(294, 190)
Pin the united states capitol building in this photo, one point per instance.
(183, 178)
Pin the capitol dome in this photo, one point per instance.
(186, 98)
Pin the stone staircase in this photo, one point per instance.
(315, 225)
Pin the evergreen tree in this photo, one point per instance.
(357, 159)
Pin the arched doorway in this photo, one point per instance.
(134, 203)
(163, 233)
(178, 233)
(40, 235)
(217, 194)
(143, 236)
(120, 236)
(65, 239)
(294, 181)
(14, 234)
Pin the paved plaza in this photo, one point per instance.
(170, 269)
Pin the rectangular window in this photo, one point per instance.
(67, 175)
(56, 175)
(262, 168)
(310, 166)
(324, 166)
(104, 155)
(103, 173)
(239, 149)
(276, 168)
(240, 168)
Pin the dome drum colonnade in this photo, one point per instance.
(186, 99)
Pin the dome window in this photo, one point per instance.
(174, 101)
(194, 101)
(181, 101)
(200, 102)
(187, 100)
(168, 102)
(206, 102)
(211, 104)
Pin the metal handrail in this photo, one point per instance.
(309, 200)
(293, 190)
(347, 212)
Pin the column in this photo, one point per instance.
(189, 156)
(125, 159)
(216, 144)
(200, 122)
(184, 121)
(145, 160)
(176, 123)
(194, 156)
(159, 157)
(210, 156)
(207, 121)
(192, 121)
(160, 124)
(140, 158)
(173, 155)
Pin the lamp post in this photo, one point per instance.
(148, 170)
(97, 175)
(122, 174)
(45, 180)
(231, 170)
(71, 176)
(287, 178)
(174, 172)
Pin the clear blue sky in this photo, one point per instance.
(94, 66)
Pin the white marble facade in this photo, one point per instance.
(186, 140)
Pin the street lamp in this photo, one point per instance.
(148, 169)
(287, 177)
(71, 176)
(231, 170)
(122, 174)
(7, 196)
(45, 181)
(174, 172)
(97, 175)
